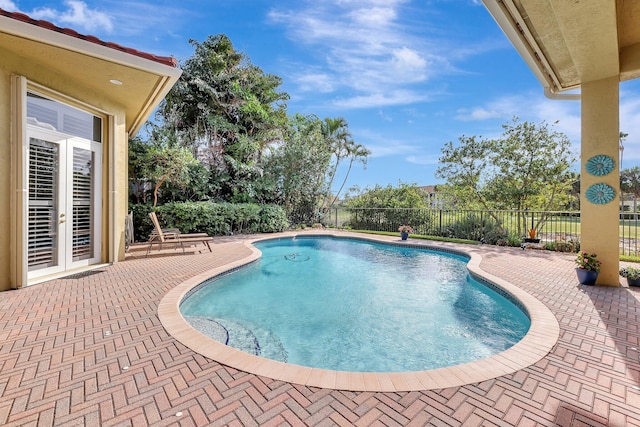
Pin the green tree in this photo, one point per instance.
(296, 169)
(630, 184)
(226, 110)
(527, 168)
(199, 188)
(138, 163)
(389, 207)
(403, 196)
(343, 147)
(168, 164)
(573, 179)
(158, 161)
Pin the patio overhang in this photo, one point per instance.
(590, 45)
(567, 43)
(94, 69)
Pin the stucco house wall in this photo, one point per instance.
(119, 85)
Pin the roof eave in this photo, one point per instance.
(512, 24)
(167, 75)
(161, 90)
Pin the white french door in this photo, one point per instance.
(64, 215)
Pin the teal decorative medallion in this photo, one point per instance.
(600, 165)
(600, 194)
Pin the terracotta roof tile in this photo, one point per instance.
(166, 60)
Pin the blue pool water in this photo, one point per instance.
(352, 305)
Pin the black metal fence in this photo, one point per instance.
(554, 230)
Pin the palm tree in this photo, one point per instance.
(342, 146)
(355, 152)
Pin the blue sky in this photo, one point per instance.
(408, 76)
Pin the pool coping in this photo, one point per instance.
(537, 343)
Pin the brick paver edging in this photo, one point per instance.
(541, 337)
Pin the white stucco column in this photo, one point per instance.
(600, 136)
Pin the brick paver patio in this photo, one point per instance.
(90, 350)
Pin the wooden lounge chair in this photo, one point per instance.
(173, 236)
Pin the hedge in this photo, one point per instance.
(215, 219)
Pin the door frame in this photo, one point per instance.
(65, 198)
(58, 140)
(106, 208)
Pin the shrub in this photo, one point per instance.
(142, 225)
(390, 219)
(514, 239)
(588, 261)
(272, 219)
(632, 273)
(563, 246)
(214, 219)
(475, 227)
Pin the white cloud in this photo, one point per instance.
(382, 145)
(561, 115)
(500, 108)
(8, 5)
(130, 19)
(532, 106)
(363, 48)
(135, 22)
(535, 107)
(407, 65)
(478, 113)
(398, 97)
(566, 113)
(427, 159)
(370, 3)
(76, 15)
(374, 17)
(384, 116)
(374, 47)
(315, 82)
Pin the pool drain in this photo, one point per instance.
(297, 257)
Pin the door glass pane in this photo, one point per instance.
(54, 115)
(43, 209)
(83, 171)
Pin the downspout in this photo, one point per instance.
(561, 96)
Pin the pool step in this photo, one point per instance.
(209, 327)
(270, 345)
(250, 339)
(240, 337)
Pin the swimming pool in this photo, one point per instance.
(239, 251)
(355, 305)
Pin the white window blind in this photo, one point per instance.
(83, 167)
(43, 184)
